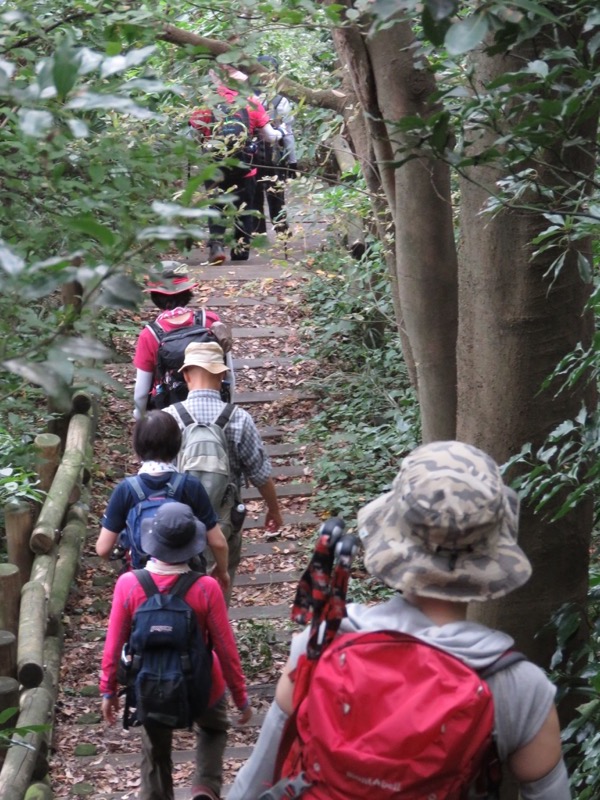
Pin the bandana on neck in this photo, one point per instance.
(156, 467)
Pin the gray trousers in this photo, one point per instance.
(157, 765)
(234, 539)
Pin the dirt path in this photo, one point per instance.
(262, 300)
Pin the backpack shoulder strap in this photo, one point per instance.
(146, 582)
(200, 317)
(156, 330)
(184, 583)
(184, 414)
(136, 487)
(225, 415)
(276, 100)
(175, 484)
(507, 659)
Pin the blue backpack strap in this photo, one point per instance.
(200, 317)
(175, 486)
(146, 582)
(184, 583)
(137, 488)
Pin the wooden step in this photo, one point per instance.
(279, 611)
(291, 471)
(283, 490)
(249, 398)
(267, 578)
(284, 546)
(284, 449)
(268, 362)
(271, 432)
(265, 332)
(233, 301)
(305, 520)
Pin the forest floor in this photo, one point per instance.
(262, 300)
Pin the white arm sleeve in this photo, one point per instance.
(256, 776)
(269, 134)
(230, 375)
(553, 786)
(143, 384)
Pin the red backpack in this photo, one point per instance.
(381, 714)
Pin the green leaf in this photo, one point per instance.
(536, 9)
(113, 65)
(467, 34)
(35, 123)
(10, 262)
(43, 375)
(94, 229)
(441, 9)
(64, 69)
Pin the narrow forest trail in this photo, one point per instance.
(262, 301)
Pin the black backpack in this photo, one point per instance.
(166, 665)
(171, 387)
(230, 134)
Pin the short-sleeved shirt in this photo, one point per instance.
(122, 500)
(146, 350)
(247, 456)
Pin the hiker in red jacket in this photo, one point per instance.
(237, 183)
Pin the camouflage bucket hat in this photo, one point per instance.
(447, 529)
(174, 279)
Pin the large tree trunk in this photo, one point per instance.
(515, 326)
(418, 195)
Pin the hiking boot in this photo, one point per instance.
(216, 253)
(240, 254)
(203, 793)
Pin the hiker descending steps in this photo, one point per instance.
(203, 371)
(176, 662)
(407, 698)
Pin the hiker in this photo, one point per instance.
(156, 442)
(203, 371)
(444, 536)
(236, 183)
(172, 293)
(275, 163)
(173, 536)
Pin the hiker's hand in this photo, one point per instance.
(273, 521)
(223, 335)
(110, 709)
(223, 577)
(245, 715)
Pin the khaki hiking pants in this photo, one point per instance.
(157, 766)
(233, 536)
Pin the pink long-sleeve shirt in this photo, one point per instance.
(206, 598)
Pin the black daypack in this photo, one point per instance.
(171, 387)
(167, 664)
(230, 134)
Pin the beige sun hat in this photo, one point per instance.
(447, 529)
(208, 355)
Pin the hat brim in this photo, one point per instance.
(172, 555)
(188, 286)
(210, 366)
(400, 560)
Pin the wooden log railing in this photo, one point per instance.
(34, 589)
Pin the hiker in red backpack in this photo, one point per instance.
(173, 536)
(402, 701)
(171, 292)
(156, 442)
(236, 183)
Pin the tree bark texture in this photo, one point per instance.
(20, 762)
(515, 326)
(30, 640)
(18, 522)
(67, 563)
(53, 511)
(10, 597)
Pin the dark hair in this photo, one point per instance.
(156, 437)
(167, 302)
(271, 60)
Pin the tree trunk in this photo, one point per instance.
(20, 762)
(67, 475)
(32, 629)
(47, 447)
(515, 326)
(10, 597)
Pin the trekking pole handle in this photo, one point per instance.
(346, 547)
(333, 529)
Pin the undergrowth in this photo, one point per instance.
(369, 415)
